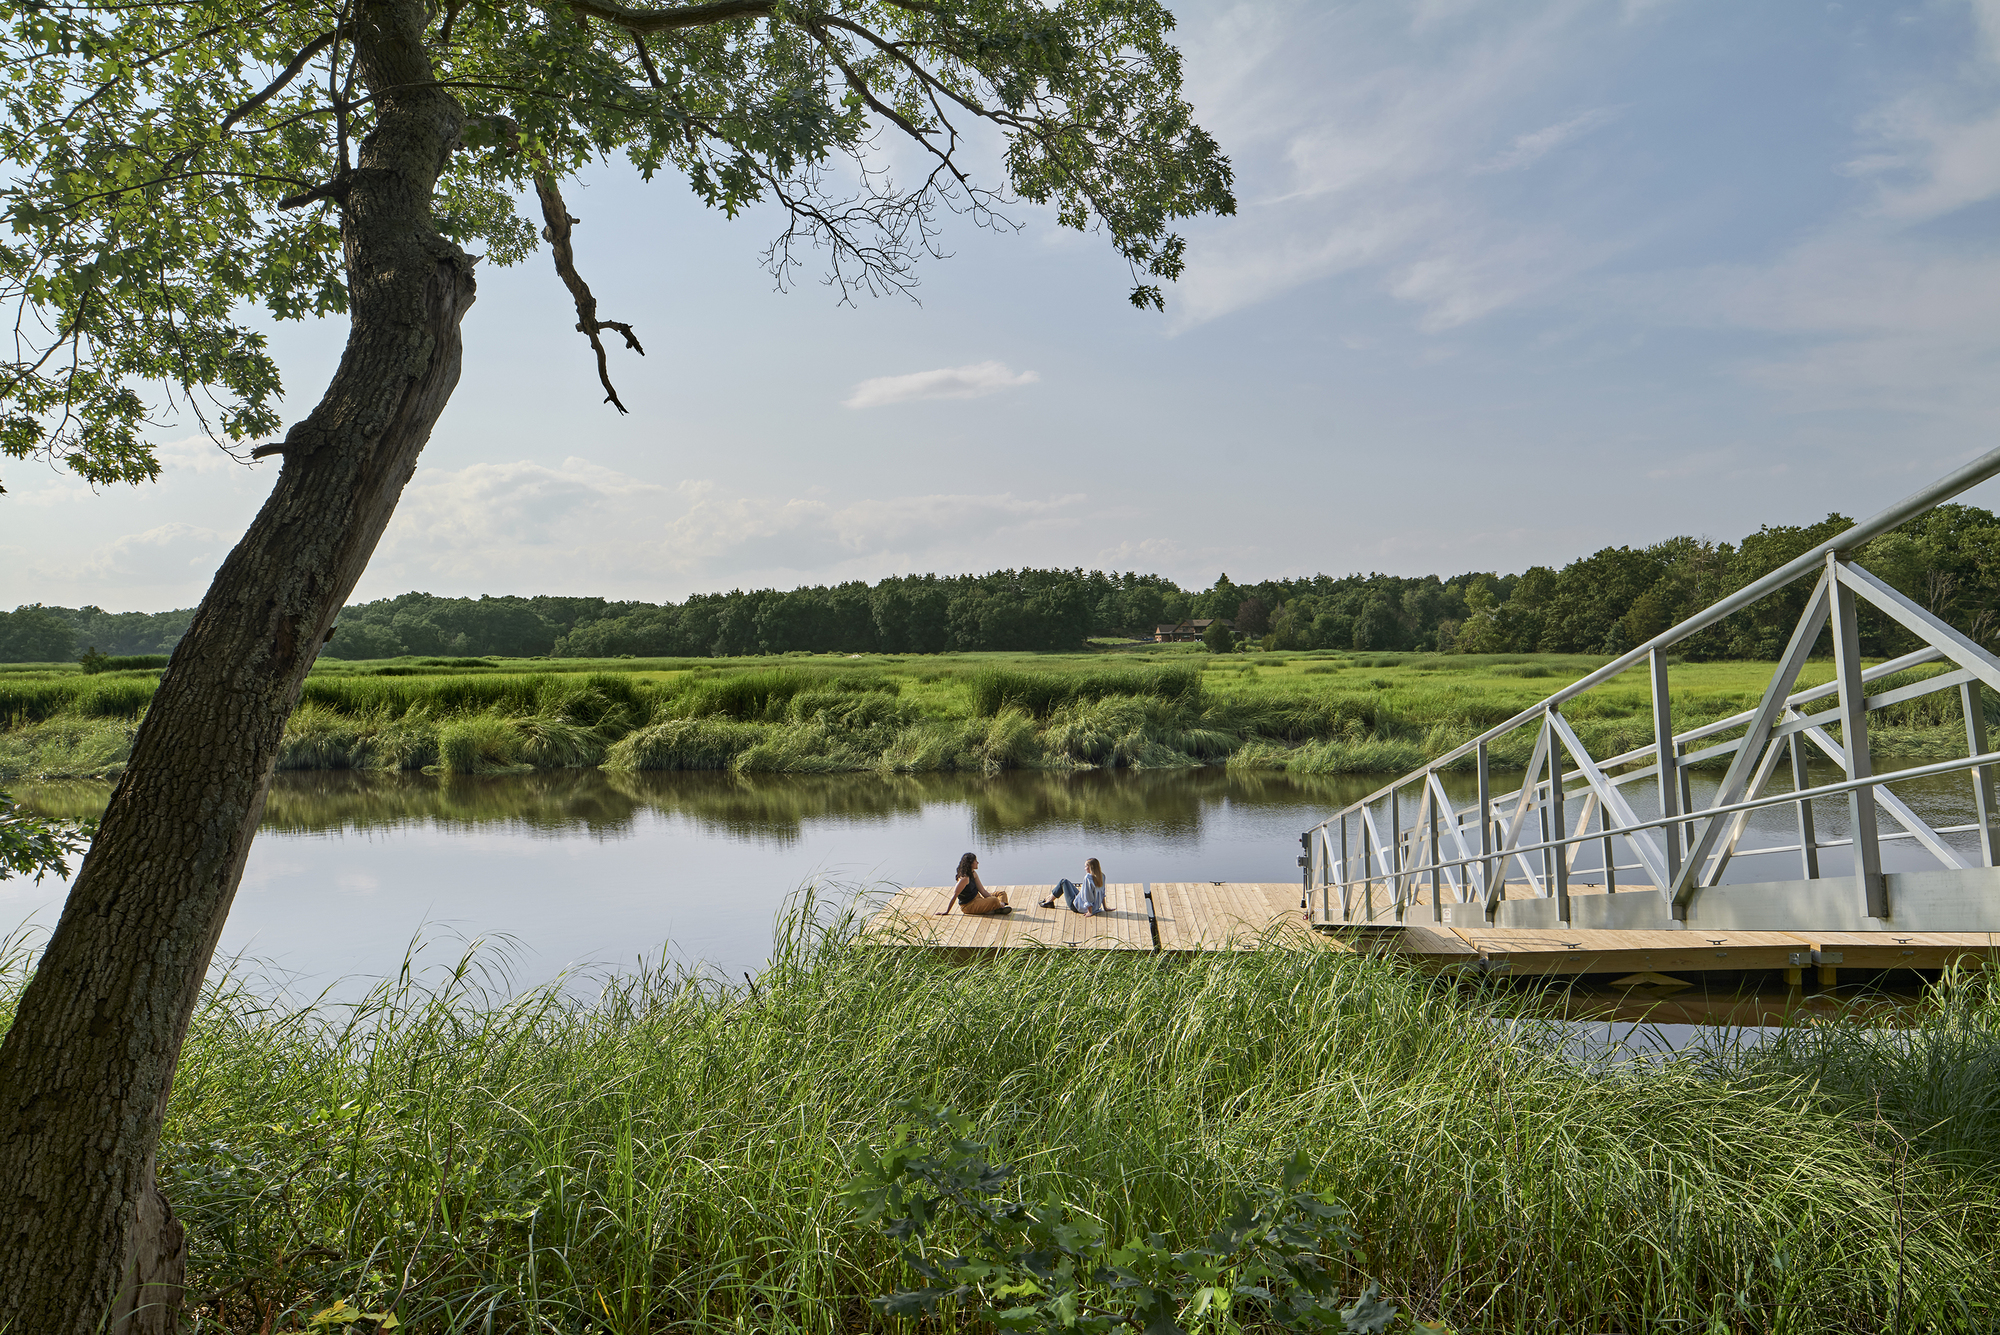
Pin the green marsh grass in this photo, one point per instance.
(34, 697)
(1163, 709)
(665, 1153)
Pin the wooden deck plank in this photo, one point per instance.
(1431, 942)
(1902, 950)
(1204, 916)
(1594, 951)
(1180, 915)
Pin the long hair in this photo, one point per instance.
(965, 865)
(1095, 868)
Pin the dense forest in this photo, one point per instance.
(1949, 560)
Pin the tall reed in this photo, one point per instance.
(669, 1153)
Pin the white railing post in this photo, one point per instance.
(1669, 778)
(1972, 699)
(1872, 901)
(1808, 839)
(1559, 869)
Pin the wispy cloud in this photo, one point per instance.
(1528, 149)
(951, 382)
(1367, 166)
(197, 454)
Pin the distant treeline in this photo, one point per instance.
(1949, 561)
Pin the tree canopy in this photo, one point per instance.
(180, 171)
(1948, 560)
(180, 167)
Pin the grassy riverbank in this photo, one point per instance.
(1320, 713)
(670, 1155)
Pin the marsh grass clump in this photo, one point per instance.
(658, 1151)
(1931, 1089)
(1040, 694)
(67, 747)
(686, 743)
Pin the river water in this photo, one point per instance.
(581, 869)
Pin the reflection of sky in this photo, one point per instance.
(591, 871)
(701, 864)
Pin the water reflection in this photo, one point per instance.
(584, 866)
(777, 807)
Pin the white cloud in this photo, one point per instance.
(952, 382)
(169, 555)
(518, 527)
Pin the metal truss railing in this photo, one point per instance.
(1526, 843)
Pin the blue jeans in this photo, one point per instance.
(1069, 890)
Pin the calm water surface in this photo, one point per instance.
(582, 868)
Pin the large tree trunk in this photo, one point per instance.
(87, 1066)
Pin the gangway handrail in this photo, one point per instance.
(1971, 475)
(1755, 804)
(1687, 848)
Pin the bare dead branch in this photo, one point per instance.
(556, 229)
(557, 223)
(883, 109)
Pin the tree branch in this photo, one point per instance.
(291, 71)
(335, 189)
(556, 232)
(666, 20)
(557, 223)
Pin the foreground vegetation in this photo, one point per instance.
(1312, 714)
(671, 1154)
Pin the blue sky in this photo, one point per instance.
(1510, 282)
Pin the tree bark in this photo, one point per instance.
(87, 1066)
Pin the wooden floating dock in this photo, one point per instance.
(1165, 916)
(1185, 917)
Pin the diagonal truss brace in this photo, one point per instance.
(1755, 737)
(1613, 800)
(1524, 803)
(1898, 809)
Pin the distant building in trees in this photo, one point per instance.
(1183, 632)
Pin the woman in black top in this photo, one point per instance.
(971, 896)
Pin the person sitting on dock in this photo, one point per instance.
(971, 896)
(1088, 898)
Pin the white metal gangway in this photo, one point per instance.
(1408, 853)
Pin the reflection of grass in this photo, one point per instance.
(671, 1155)
(1308, 714)
(759, 804)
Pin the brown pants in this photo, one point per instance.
(984, 903)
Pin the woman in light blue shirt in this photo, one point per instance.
(1088, 898)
